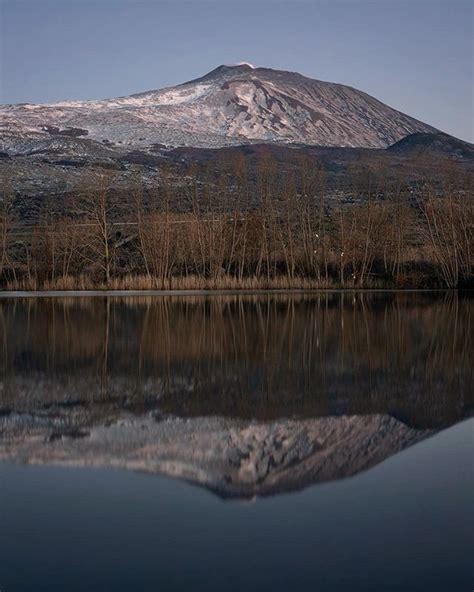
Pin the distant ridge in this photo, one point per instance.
(436, 144)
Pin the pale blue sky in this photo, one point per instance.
(415, 55)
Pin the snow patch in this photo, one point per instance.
(180, 96)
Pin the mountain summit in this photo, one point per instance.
(230, 105)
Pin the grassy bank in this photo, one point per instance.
(222, 282)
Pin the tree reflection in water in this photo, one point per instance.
(249, 356)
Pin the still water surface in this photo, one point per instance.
(318, 442)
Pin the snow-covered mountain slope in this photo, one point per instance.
(229, 106)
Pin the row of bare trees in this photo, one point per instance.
(226, 227)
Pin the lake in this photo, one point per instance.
(307, 441)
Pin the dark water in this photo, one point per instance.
(403, 520)
(406, 525)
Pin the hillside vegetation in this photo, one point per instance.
(235, 224)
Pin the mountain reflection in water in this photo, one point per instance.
(247, 395)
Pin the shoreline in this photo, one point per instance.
(213, 292)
